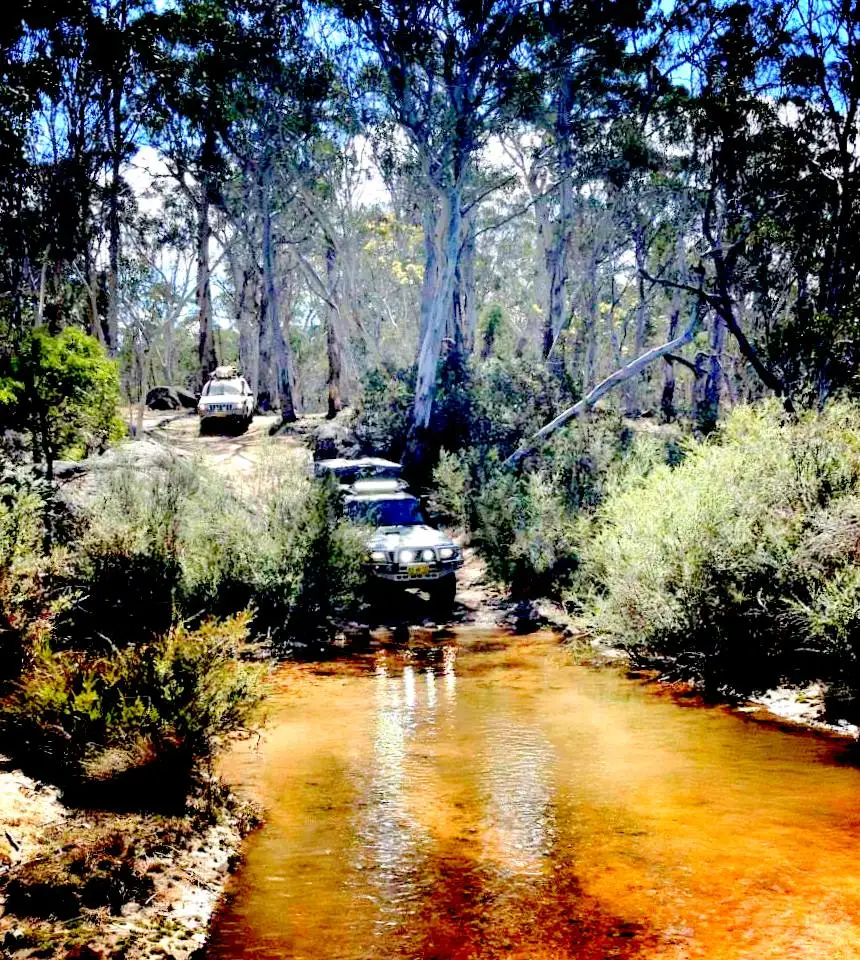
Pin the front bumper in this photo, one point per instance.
(233, 414)
(395, 573)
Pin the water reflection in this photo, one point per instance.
(474, 801)
(516, 773)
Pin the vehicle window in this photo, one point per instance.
(385, 513)
(222, 388)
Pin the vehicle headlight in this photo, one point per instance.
(446, 553)
(407, 556)
(377, 556)
(428, 555)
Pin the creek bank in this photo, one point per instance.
(82, 885)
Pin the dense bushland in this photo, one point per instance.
(729, 560)
(740, 563)
(121, 642)
(528, 526)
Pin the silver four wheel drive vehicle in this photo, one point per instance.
(363, 468)
(403, 549)
(226, 399)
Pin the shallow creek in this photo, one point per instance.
(482, 796)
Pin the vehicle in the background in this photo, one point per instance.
(226, 400)
(362, 468)
(401, 548)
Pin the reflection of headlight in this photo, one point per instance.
(377, 556)
(428, 555)
(407, 556)
(446, 553)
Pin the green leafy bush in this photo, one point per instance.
(167, 704)
(705, 563)
(448, 497)
(178, 543)
(531, 528)
(65, 390)
(529, 539)
(382, 419)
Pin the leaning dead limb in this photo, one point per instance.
(632, 369)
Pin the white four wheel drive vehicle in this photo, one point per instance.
(403, 549)
(227, 400)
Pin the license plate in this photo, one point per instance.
(418, 569)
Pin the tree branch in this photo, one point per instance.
(632, 369)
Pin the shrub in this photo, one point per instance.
(699, 563)
(448, 498)
(383, 415)
(531, 529)
(164, 705)
(153, 555)
(65, 389)
(528, 538)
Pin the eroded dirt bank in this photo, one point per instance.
(92, 884)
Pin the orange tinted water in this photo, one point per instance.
(482, 796)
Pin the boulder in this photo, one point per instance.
(187, 399)
(163, 398)
(336, 438)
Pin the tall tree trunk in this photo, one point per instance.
(438, 312)
(556, 256)
(245, 284)
(430, 282)
(667, 397)
(708, 412)
(113, 224)
(334, 339)
(280, 350)
(633, 398)
(206, 341)
(464, 312)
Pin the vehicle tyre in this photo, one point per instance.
(204, 427)
(444, 592)
(377, 593)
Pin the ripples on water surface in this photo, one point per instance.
(481, 797)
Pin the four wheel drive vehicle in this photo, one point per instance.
(402, 549)
(363, 468)
(226, 399)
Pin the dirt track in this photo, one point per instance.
(231, 455)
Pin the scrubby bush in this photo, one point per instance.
(382, 418)
(531, 528)
(179, 544)
(156, 708)
(529, 539)
(713, 564)
(448, 497)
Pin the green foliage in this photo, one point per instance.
(448, 497)
(169, 702)
(382, 419)
(709, 563)
(66, 392)
(526, 535)
(532, 528)
(152, 554)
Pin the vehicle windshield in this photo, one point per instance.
(223, 388)
(385, 513)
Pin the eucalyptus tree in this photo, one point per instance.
(444, 72)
